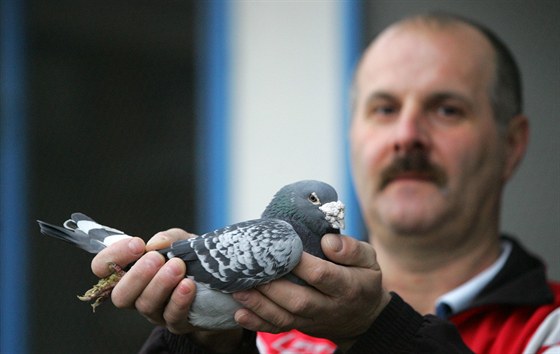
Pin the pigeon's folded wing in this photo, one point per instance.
(240, 256)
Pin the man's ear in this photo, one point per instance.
(516, 140)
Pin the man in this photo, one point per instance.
(437, 132)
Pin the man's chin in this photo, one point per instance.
(410, 229)
(410, 212)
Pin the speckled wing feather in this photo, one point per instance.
(240, 256)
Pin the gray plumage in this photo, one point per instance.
(240, 256)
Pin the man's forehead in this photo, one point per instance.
(435, 25)
(457, 34)
(412, 44)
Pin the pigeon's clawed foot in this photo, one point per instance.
(102, 290)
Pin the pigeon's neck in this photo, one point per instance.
(309, 231)
(310, 239)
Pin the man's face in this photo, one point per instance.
(426, 152)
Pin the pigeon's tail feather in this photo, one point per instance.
(77, 216)
(78, 239)
(57, 232)
(83, 232)
(72, 223)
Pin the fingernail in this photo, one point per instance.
(184, 288)
(172, 268)
(334, 242)
(159, 238)
(136, 246)
(153, 260)
(239, 316)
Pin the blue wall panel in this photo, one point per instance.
(13, 181)
(213, 118)
(352, 29)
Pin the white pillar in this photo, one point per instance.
(286, 100)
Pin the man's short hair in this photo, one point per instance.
(506, 93)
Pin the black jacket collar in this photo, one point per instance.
(521, 281)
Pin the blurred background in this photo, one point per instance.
(148, 115)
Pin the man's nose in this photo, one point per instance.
(411, 131)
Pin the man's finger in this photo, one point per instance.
(260, 313)
(249, 320)
(165, 238)
(327, 277)
(122, 253)
(176, 311)
(133, 283)
(349, 251)
(301, 301)
(155, 295)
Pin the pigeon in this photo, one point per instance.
(237, 257)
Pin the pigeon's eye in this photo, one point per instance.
(314, 199)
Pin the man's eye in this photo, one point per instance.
(383, 111)
(450, 111)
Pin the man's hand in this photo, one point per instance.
(156, 289)
(343, 301)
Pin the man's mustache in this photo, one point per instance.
(416, 162)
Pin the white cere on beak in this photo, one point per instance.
(334, 214)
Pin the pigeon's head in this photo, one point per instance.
(310, 206)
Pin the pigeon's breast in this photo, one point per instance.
(213, 309)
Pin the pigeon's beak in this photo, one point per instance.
(334, 213)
